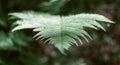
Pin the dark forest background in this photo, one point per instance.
(19, 48)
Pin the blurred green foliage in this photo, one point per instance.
(18, 48)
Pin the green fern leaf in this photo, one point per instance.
(63, 31)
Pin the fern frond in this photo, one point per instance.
(63, 31)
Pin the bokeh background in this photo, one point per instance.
(19, 48)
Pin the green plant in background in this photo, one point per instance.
(61, 31)
(8, 42)
(49, 6)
